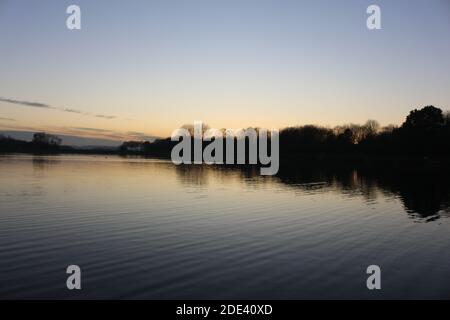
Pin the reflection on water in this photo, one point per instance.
(42, 162)
(143, 228)
(425, 194)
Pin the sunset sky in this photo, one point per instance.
(144, 68)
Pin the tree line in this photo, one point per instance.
(424, 132)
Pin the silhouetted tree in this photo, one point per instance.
(427, 117)
(371, 128)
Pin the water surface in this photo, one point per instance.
(146, 229)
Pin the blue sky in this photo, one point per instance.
(151, 66)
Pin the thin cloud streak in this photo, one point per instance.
(7, 119)
(27, 103)
(110, 134)
(35, 104)
(90, 129)
(72, 111)
(104, 116)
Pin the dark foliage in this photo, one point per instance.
(425, 132)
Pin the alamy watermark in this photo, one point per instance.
(374, 280)
(373, 22)
(227, 146)
(74, 279)
(73, 21)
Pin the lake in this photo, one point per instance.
(147, 229)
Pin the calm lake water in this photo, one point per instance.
(147, 229)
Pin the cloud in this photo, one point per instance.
(104, 116)
(35, 104)
(7, 119)
(91, 129)
(72, 110)
(107, 133)
(139, 135)
(27, 103)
